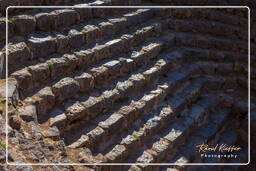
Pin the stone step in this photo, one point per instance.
(208, 27)
(38, 46)
(154, 76)
(203, 134)
(68, 63)
(97, 76)
(209, 14)
(203, 41)
(154, 122)
(123, 90)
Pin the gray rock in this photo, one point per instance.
(58, 118)
(44, 21)
(28, 113)
(18, 52)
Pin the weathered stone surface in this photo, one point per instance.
(45, 100)
(41, 45)
(138, 81)
(86, 81)
(110, 96)
(176, 131)
(113, 66)
(115, 46)
(119, 23)
(94, 106)
(65, 17)
(24, 24)
(117, 154)
(76, 38)
(100, 74)
(58, 118)
(24, 79)
(65, 88)
(44, 21)
(96, 134)
(100, 52)
(84, 13)
(86, 57)
(75, 111)
(107, 28)
(40, 73)
(114, 122)
(62, 43)
(18, 52)
(145, 158)
(28, 113)
(53, 133)
(125, 87)
(138, 57)
(161, 148)
(91, 33)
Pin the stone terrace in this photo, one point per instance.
(92, 85)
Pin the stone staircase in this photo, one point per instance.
(136, 85)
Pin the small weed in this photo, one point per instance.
(136, 136)
(50, 65)
(2, 104)
(2, 145)
(11, 20)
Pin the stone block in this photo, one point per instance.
(113, 66)
(40, 73)
(100, 74)
(100, 52)
(113, 123)
(75, 111)
(117, 154)
(62, 43)
(28, 113)
(125, 88)
(107, 28)
(86, 57)
(24, 24)
(110, 96)
(58, 118)
(76, 38)
(65, 17)
(94, 106)
(45, 100)
(115, 46)
(18, 52)
(86, 82)
(41, 45)
(24, 79)
(65, 88)
(91, 33)
(44, 21)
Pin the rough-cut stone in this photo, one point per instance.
(84, 13)
(93, 105)
(161, 148)
(65, 88)
(41, 45)
(96, 134)
(75, 111)
(58, 118)
(119, 23)
(86, 57)
(62, 43)
(28, 113)
(24, 79)
(138, 81)
(86, 81)
(53, 133)
(65, 17)
(125, 88)
(76, 38)
(24, 24)
(128, 112)
(91, 33)
(18, 52)
(45, 100)
(115, 46)
(100, 74)
(113, 66)
(44, 21)
(100, 52)
(107, 28)
(145, 158)
(40, 73)
(110, 96)
(138, 57)
(176, 131)
(117, 154)
(114, 122)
